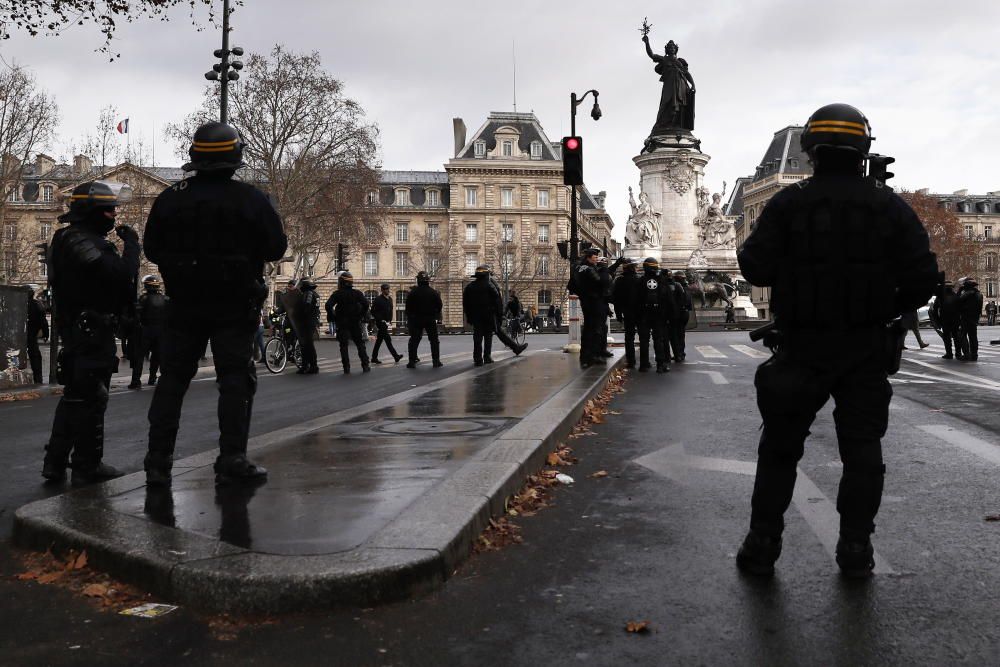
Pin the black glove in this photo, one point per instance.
(127, 234)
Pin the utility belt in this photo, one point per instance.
(89, 346)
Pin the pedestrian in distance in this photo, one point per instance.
(558, 317)
(482, 306)
(91, 285)
(382, 314)
(36, 325)
(730, 314)
(624, 296)
(348, 307)
(654, 312)
(678, 325)
(809, 236)
(946, 311)
(970, 308)
(551, 315)
(498, 326)
(238, 231)
(305, 321)
(150, 319)
(423, 311)
(991, 313)
(910, 322)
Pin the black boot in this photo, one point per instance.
(238, 469)
(54, 470)
(855, 558)
(758, 554)
(102, 472)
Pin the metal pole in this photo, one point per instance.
(224, 74)
(53, 338)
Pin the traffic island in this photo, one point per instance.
(368, 505)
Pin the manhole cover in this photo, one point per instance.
(435, 426)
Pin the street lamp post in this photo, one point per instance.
(225, 70)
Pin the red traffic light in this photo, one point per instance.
(572, 143)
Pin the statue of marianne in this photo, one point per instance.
(677, 99)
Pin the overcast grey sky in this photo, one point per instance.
(925, 73)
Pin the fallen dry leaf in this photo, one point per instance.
(49, 577)
(95, 590)
(81, 561)
(552, 459)
(637, 627)
(599, 474)
(27, 576)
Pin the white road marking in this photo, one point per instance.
(984, 450)
(717, 377)
(940, 368)
(818, 511)
(709, 352)
(950, 380)
(751, 352)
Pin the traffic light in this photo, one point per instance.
(43, 251)
(563, 247)
(572, 154)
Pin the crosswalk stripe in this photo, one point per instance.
(751, 352)
(709, 352)
(984, 450)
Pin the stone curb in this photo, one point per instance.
(416, 552)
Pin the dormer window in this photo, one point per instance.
(402, 197)
(47, 194)
(508, 148)
(372, 197)
(433, 198)
(480, 148)
(536, 150)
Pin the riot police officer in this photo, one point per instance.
(36, 324)
(808, 238)
(347, 307)
(482, 306)
(91, 284)
(946, 312)
(654, 311)
(623, 296)
(151, 318)
(678, 326)
(210, 229)
(382, 313)
(423, 310)
(305, 320)
(590, 289)
(970, 308)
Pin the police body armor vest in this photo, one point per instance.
(650, 292)
(837, 270)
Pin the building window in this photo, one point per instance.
(507, 263)
(991, 261)
(371, 232)
(506, 197)
(471, 233)
(44, 231)
(433, 263)
(543, 265)
(372, 197)
(543, 199)
(480, 149)
(543, 233)
(536, 149)
(402, 264)
(507, 148)
(507, 232)
(988, 232)
(969, 232)
(433, 232)
(43, 270)
(13, 194)
(991, 289)
(10, 232)
(402, 232)
(401, 306)
(471, 262)
(371, 264)
(402, 198)
(433, 198)
(471, 197)
(47, 194)
(544, 297)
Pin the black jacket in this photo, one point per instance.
(151, 309)
(423, 305)
(36, 320)
(481, 302)
(210, 234)
(623, 294)
(382, 308)
(588, 283)
(970, 304)
(346, 306)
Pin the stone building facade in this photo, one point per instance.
(979, 216)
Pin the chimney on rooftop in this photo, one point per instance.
(43, 164)
(962, 193)
(460, 132)
(82, 165)
(600, 197)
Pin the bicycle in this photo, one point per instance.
(515, 329)
(276, 351)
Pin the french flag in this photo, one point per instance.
(123, 127)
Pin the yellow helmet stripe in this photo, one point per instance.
(839, 130)
(211, 144)
(93, 197)
(843, 123)
(220, 149)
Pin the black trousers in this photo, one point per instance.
(630, 331)
(86, 365)
(232, 353)
(591, 343)
(383, 336)
(950, 334)
(35, 359)
(970, 336)
(656, 329)
(346, 333)
(501, 333)
(482, 341)
(677, 334)
(417, 329)
(305, 331)
(148, 342)
(792, 387)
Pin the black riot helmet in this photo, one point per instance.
(215, 147)
(345, 280)
(94, 197)
(651, 265)
(385, 287)
(151, 282)
(423, 278)
(482, 272)
(306, 283)
(629, 265)
(839, 126)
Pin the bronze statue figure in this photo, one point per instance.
(677, 99)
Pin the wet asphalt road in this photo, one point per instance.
(654, 540)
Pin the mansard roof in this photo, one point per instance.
(784, 155)
(734, 207)
(527, 126)
(414, 177)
